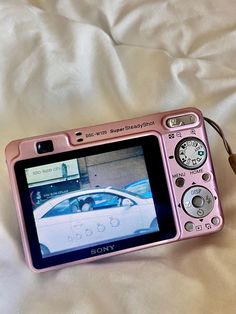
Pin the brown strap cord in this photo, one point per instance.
(232, 157)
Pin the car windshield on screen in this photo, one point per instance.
(129, 192)
(140, 187)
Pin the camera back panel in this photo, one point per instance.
(98, 191)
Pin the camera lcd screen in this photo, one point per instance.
(96, 199)
(76, 203)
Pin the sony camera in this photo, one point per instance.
(99, 191)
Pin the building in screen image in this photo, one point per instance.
(118, 169)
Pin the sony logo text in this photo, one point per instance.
(103, 249)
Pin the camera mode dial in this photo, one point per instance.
(191, 153)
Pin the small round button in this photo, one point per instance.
(179, 182)
(189, 226)
(206, 177)
(198, 201)
(215, 221)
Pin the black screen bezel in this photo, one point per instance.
(157, 179)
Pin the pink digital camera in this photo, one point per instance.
(99, 191)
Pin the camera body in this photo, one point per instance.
(99, 191)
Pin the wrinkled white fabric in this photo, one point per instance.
(67, 64)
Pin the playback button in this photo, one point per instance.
(189, 226)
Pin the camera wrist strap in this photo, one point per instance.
(232, 156)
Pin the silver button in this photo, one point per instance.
(198, 201)
(189, 226)
(215, 221)
(206, 177)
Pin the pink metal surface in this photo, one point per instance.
(116, 131)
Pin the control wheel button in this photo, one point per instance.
(198, 201)
(179, 182)
(215, 221)
(189, 226)
(200, 212)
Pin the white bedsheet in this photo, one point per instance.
(67, 64)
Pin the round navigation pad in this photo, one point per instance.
(198, 202)
(191, 153)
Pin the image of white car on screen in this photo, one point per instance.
(89, 217)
